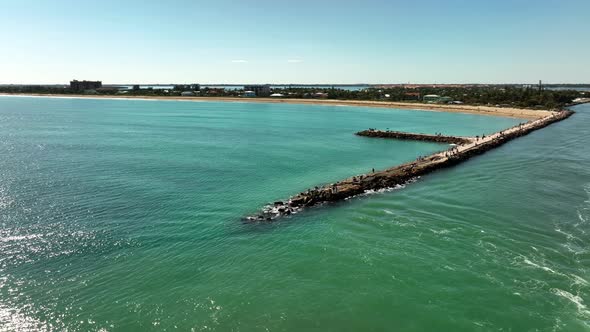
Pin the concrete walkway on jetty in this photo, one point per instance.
(402, 174)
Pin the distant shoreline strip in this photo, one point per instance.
(467, 109)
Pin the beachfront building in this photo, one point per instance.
(249, 94)
(214, 91)
(187, 94)
(85, 85)
(260, 90)
(436, 99)
(431, 98)
(411, 95)
(187, 87)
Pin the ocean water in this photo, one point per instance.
(125, 215)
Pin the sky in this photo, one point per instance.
(295, 41)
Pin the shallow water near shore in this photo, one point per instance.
(125, 215)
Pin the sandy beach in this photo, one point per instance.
(481, 110)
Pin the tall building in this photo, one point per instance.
(261, 90)
(187, 87)
(85, 85)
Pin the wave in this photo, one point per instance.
(575, 299)
(384, 190)
(544, 268)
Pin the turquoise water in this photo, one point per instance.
(125, 215)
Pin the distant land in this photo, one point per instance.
(336, 85)
(539, 96)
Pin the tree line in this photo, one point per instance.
(505, 96)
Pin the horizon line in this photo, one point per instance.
(326, 84)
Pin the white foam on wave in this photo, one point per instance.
(575, 299)
(378, 191)
(575, 249)
(440, 232)
(544, 268)
(384, 190)
(403, 224)
(583, 219)
(574, 279)
(579, 280)
(583, 214)
(388, 189)
(568, 236)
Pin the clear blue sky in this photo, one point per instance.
(295, 41)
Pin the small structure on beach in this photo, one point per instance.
(187, 94)
(249, 94)
(214, 91)
(320, 95)
(431, 99)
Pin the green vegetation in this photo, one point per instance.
(505, 96)
(497, 95)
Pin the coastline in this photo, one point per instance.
(520, 113)
(400, 175)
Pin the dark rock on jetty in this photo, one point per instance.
(404, 173)
(414, 137)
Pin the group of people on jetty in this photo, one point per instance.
(453, 150)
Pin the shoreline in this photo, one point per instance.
(403, 174)
(520, 113)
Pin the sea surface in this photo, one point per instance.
(126, 215)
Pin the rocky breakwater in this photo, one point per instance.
(402, 174)
(439, 138)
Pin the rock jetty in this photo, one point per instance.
(438, 138)
(462, 148)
